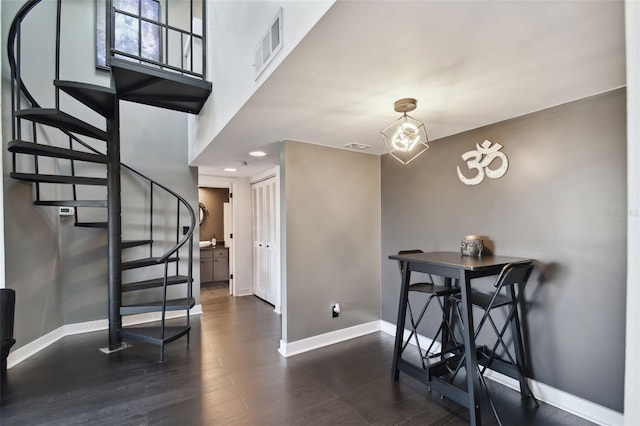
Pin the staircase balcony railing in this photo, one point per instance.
(26, 130)
(140, 30)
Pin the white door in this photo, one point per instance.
(266, 251)
(257, 201)
(270, 246)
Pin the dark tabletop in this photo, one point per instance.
(455, 259)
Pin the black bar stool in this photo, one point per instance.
(508, 293)
(433, 292)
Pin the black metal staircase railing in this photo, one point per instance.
(146, 82)
(163, 32)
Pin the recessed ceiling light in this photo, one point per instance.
(355, 145)
(257, 153)
(230, 169)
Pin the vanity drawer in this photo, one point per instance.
(222, 252)
(206, 253)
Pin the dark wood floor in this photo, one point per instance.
(231, 373)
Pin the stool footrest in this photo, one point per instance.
(414, 371)
(450, 391)
(496, 363)
(457, 349)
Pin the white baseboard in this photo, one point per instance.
(245, 292)
(565, 401)
(32, 348)
(326, 339)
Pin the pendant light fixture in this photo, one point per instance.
(405, 138)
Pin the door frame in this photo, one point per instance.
(268, 174)
(212, 182)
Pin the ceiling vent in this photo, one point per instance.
(355, 145)
(269, 45)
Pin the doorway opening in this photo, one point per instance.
(215, 241)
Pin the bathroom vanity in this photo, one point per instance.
(214, 264)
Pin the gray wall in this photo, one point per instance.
(562, 202)
(59, 271)
(32, 257)
(331, 225)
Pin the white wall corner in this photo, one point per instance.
(235, 28)
(632, 347)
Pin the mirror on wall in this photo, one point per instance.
(212, 202)
(203, 213)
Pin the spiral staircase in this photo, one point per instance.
(47, 138)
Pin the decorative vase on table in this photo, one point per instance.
(472, 246)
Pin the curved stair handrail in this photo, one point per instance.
(11, 45)
(192, 215)
(34, 113)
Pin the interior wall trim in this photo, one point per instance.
(267, 174)
(32, 348)
(326, 339)
(632, 346)
(563, 400)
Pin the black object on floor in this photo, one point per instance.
(7, 314)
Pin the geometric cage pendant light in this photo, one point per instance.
(405, 138)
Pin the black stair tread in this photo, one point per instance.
(75, 180)
(193, 107)
(72, 203)
(171, 305)
(101, 99)
(153, 335)
(134, 243)
(23, 147)
(155, 282)
(141, 263)
(61, 120)
(103, 225)
(153, 86)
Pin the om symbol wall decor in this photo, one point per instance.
(475, 161)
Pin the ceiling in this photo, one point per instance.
(468, 63)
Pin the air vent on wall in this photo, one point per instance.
(269, 45)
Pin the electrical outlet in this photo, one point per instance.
(335, 310)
